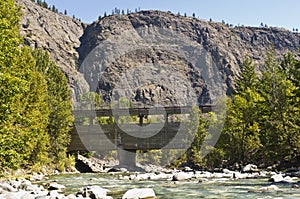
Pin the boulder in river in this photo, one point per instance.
(182, 176)
(276, 178)
(56, 186)
(250, 168)
(279, 179)
(270, 188)
(142, 193)
(94, 192)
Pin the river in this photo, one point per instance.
(165, 189)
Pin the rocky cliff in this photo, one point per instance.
(59, 35)
(151, 56)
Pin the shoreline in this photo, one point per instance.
(30, 186)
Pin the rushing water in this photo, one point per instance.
(164, 189)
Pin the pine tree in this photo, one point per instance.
(241, 133)
(45, 4)
(280, 130)
(53, 8)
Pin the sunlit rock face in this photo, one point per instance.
(151, 57)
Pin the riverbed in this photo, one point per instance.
(167, 189)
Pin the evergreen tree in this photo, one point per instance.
(53, 8)
(280, 110)
(45, 4)
(240, 136)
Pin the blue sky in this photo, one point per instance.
(279, 13)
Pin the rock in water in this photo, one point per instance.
(144, 193)
(250, 168)
(56, 186)
(182, 176)
(276, 178)
(94, 192)
(270, 188)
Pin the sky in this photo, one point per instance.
(276, 13)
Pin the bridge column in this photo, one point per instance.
(127, 159)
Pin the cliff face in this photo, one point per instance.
(151, 56)
(59, 35)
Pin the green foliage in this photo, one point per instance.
(35, 104)
(23, 107)
(9, 34)
(280, 109)
(241, 133)
(150, 157)
(59, 103)
(262, 124)
(197, 129)
(89, 101)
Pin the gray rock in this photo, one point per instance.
(139, 194)
(53, 193)
(227, 171)
(15, 183)
(7, 187)
(33, 188)
(88, 165)
(279, 179)
(58, 34)
(36, 177)
(270, 188)
(94, 192)
(71, 196)
(295, 186)
(182, 176)
(17, 195)
(56, 186)
(28, 196)
(68, 40)
(276, 178)
(250, 168)
(25, 184)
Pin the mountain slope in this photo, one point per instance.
(132, 47)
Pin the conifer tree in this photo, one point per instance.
(280, 130)
(240, 136)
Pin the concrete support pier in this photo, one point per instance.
(127, 159)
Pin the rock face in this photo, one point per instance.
(57, 34)
(138, 46)
(151, 57)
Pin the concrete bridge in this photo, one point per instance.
(90, 135)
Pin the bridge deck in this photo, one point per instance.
(110, 136)
(140, 111)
